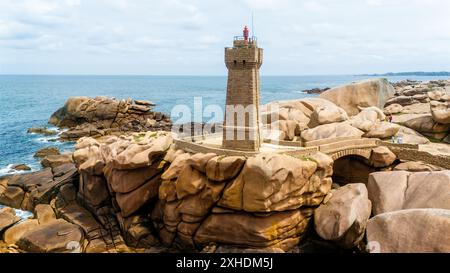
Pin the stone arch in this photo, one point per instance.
(362, 152)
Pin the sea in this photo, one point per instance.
(29, 100)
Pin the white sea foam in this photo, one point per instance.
(23, 214)
(9, 170)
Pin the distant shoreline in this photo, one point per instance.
(417, 73)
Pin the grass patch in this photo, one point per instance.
(139, 137)
(434, 140)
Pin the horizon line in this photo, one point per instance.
(224, 75)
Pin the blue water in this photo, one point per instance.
(28, 101)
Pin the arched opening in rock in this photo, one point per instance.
(352, 169)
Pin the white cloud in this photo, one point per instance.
(188, 36)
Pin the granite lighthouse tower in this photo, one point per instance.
(241, 128)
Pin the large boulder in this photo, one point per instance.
(47, 151)
(424, 124)
(56, 160)
(13, 234)
(410, 136)
(327, 113)
(134, 200)
(367, 118)
(332, 130)
(343, 217)
(372, 92)
(55, 236)
(393, 109)
(398, 190)
(124, 181)
(44, 213)
(410, 231)
(440, 111)
(382, 157)
(7, 218)
(278, 230)
(275, 182)
(382, 130)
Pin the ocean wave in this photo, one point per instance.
(47, 139)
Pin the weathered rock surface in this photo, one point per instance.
(44, 213)
(281, 230)
(343, 217)
(410, 231)
(55, 236)
(13, 234)
(7, 219)
(382, 157)
(327, 113)
(425, 124)
(332, 130)
(373, 92)
(276, 182)
(440, 111)
(416, 166)
(222, 168)
(47, 151)
(24, 191)
(21, 167)
(367, 118)
(393, 109)
(398, 190)
(383, 130)
(53, 161)
(43, 131)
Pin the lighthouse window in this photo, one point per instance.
(235, 62)
(244, 62)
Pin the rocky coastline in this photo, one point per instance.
(128, 187)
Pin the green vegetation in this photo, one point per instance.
(139, 137)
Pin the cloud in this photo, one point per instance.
(188, 36)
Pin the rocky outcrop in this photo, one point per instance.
(55, 160)
(44, 152)
(198, 199)
(425, 109)
(410, 231)
(25, 191)
(398, 190)
(287, 119)
(373, 92)
(343, 216)
(43, 131)
(102, 116)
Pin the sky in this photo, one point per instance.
(187, 37)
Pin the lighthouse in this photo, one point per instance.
(241, 127)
